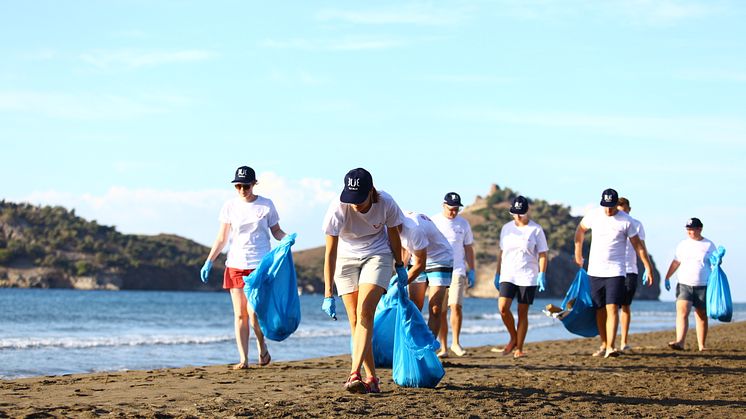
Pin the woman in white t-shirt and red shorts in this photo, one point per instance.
(247, 221)
(521, 266)
(363, 247)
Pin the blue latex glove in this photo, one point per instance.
(470, 277)
(497, 282)
(401, 275)
(645, 276)
(668, 284)
(329, 306)
(204, 273)
(542, 281)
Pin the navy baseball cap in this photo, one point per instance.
(244, 174)
(519, 206)
(358, 184)
(609, 198)
(452, 199)
(694, 222)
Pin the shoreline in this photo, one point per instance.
(556, 378)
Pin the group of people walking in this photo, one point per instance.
(369, 238)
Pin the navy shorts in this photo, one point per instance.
(630, 287)
(525, 294)
(607, 290)
(695, 295)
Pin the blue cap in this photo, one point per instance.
(452, 199)
(519, 206)
(358, 184)
(609, 198)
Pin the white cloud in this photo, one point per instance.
(133, 59)
(87, 107)
(193, 214)
(348, 44)
(412, 14)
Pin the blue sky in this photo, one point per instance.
(137, 113)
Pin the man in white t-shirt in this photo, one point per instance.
(692, 261)
(630, 281)
(607, 264)
(431, 265)
(457, 231)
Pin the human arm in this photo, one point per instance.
(499, 266)
(579, 238)
(419, 258)
(396, 250)
(671, 269)
(330, 262)
(220, 241)
(277, 232)
(469, 258)
(542, 278)
(642, 253)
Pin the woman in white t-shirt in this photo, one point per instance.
(247, 221)
(521, 266)
(362, 244)
(692, 261)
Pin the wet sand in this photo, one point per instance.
(557, 378)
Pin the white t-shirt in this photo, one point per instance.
(631, 259)
(458, 233)
(608, 242)
(362, 235)
(419, 232)
(694, 256)
(520, 247)
(250, 223)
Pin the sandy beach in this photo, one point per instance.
(557, 378)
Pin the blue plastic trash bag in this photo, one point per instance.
(415, 362)
(384, 324)
(272, 290)
(581, 320)
(719, 302)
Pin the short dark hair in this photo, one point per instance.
(623, 202)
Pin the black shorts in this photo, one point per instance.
(695, 295)
(525, 294)
(606, 290)
(630, 287)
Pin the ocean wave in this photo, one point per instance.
(481, 329)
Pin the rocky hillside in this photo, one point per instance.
(487, 216)
(51, 247)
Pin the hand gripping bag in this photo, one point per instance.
(384, 324)
(581, 320)
(719, 302)
(415, 362)
(272, 291)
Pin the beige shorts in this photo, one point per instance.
(457, 291)
(350, 272)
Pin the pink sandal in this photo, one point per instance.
(355, 384)
(372, 385)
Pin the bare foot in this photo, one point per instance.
(509, 348)
(518, 353)
(442, 354)
(241, 366)
(704, 348)
(676, 346)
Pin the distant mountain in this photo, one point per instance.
(487, 216)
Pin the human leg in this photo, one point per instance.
(612, 323)
(362, 353)
(630, 287)
(683, 308)
(700, 314)
(503, 305)
(417, 291)
(522, 328)
(443, 332)
(456, 294)
(261, 343)
(625, 318)
(436, 315)
(240, 326)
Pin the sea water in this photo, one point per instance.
(53, 332)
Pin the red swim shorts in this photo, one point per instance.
(233, 278)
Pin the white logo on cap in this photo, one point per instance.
(608, 198)
(518, 205)
(241, 173)
(454, 196)
(353, 184)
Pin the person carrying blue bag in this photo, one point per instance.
(691, 264)
(246, 221)
(415, 361)
(272, 291)
(719, 302)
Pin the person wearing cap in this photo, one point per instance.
(691, 264)
(631, 279)
(247, 222)
(431, 265)
(457, 231)
(521, 267)
(363, 247)
(607, 264)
